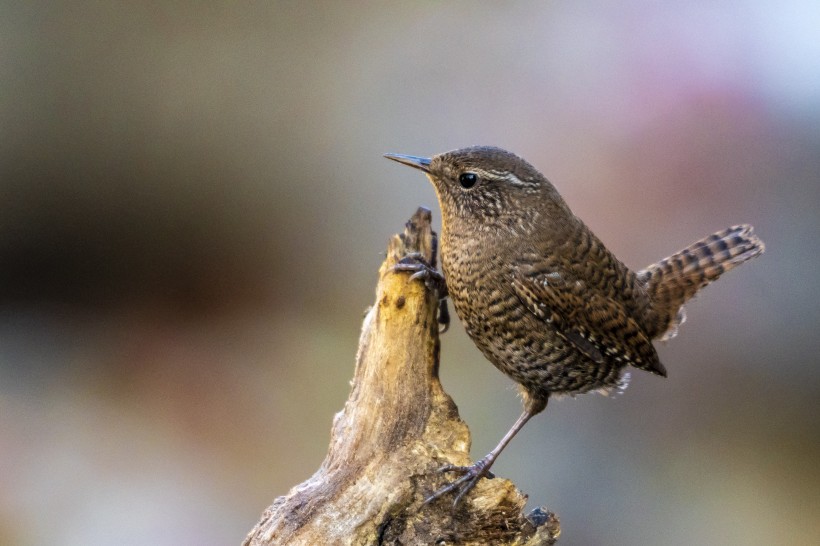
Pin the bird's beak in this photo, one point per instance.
(420, 163)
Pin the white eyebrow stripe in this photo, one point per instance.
(514, 180)
(501, 175)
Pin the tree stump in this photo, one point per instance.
(397, 428)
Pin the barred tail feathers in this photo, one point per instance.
(672, 281)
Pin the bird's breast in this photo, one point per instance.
(479, 277)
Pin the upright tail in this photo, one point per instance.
(672, 281)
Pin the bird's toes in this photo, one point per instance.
(470, 475)
(421, 270)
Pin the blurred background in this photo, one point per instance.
(194, 207)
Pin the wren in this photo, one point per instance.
(542, 297)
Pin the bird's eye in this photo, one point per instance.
(467, 180)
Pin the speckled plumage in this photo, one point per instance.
(540, 294)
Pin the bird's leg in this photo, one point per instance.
(443, 315)
(471, 474)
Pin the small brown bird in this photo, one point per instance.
(540, 294)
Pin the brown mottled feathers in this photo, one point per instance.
(596, 324)
(673, 280)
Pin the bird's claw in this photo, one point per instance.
(422, 270)
(432, 279)
(469, 478)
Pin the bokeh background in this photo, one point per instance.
(194, 206)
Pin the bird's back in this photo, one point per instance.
(556, 313)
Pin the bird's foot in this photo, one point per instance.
(432, 279)
(422, 270)
(469, 478)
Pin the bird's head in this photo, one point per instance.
(486, 186)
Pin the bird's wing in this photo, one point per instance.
(597, 325)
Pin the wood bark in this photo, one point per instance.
(397, 428)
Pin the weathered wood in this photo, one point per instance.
(397, 427)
